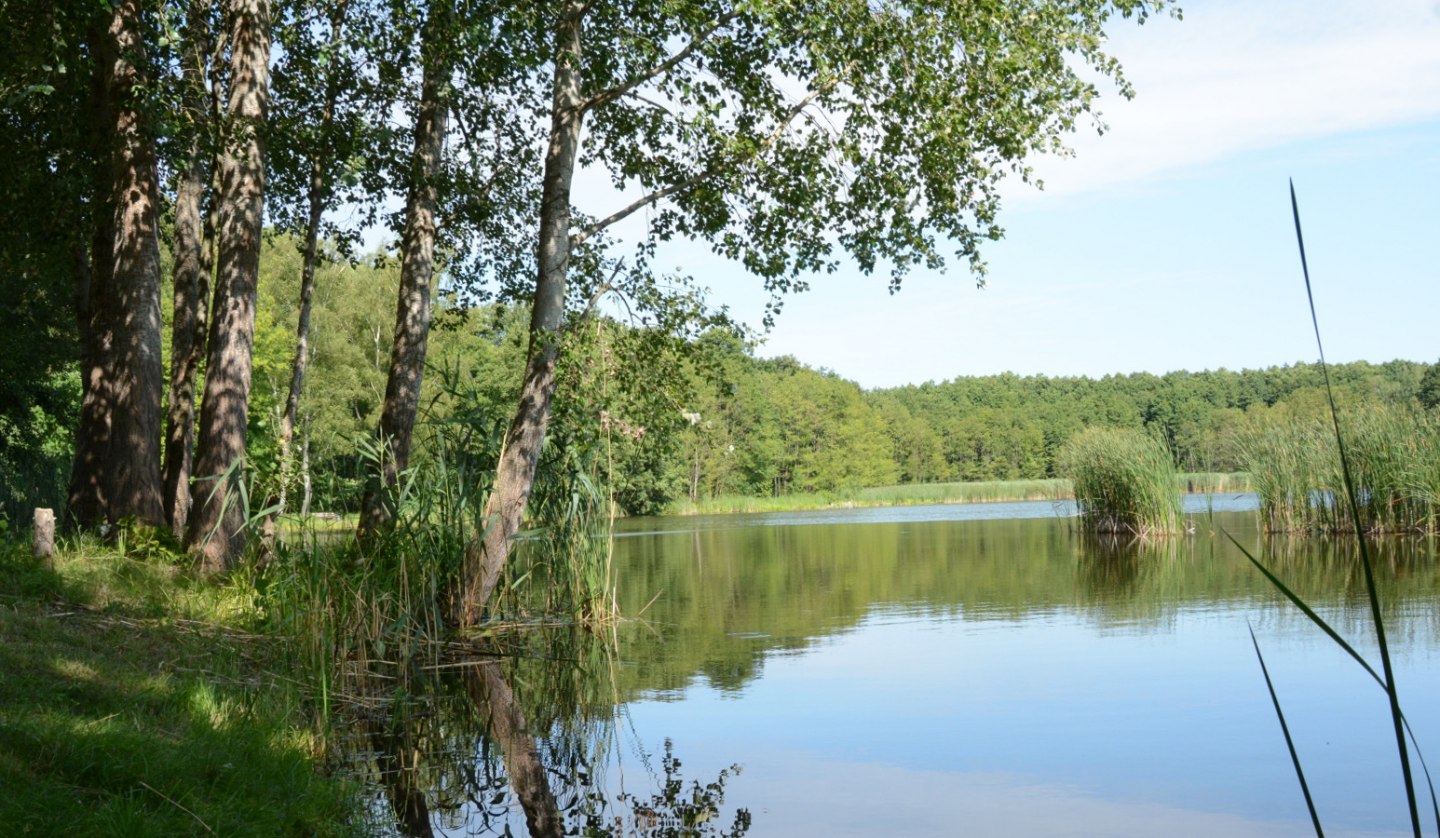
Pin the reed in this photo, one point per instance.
(1357, 493)
(1393, 454)
(1125, 482)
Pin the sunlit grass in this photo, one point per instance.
(136, 700)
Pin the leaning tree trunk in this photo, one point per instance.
(191, 277)
(215, 531)
(520, 454)
(505, 722)
(417, 267)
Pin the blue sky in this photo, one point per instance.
(1167, 243)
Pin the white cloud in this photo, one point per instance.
(1240, 76)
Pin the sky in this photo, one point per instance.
(1168, 243)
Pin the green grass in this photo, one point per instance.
(135, 701)
(1394, 458)
(1125, 482)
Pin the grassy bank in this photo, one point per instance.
(993, 491)
(135, 701)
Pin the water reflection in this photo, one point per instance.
(906, 676)
(457, 745)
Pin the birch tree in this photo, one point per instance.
(785, 136)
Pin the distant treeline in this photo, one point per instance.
(776, 426)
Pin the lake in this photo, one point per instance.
(961, 669)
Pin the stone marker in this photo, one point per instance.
(44, 533)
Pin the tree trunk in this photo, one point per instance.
(505, 722)
(192, 278)
(88, 502)
(215, 530)
(412, 310)
(134, 471)
(520, 454)
(318, 196)
(305, 476)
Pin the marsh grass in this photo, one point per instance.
(1125, 482)
(137, 700)
(1392, 453)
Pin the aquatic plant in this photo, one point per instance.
(1392, 452)
(1354, 496)
(1125, 482)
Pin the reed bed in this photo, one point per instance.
(990, 491)
(1394, 458)
(1125, 482)
(915, 494)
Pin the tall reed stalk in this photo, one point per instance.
(1125, 482)
(1359, 488)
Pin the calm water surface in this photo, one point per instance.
(979, 670)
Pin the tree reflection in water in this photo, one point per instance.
(453, 745)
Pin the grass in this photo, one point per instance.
(137, 701)
(1125, 482)
(1393, 453)
(992, 491)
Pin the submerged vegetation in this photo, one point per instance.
(1125, 482)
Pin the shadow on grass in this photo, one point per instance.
(119, 719)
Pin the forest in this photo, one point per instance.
(337, 332)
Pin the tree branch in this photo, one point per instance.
(611, 94)
(661, 194)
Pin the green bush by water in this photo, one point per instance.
(1125, 482)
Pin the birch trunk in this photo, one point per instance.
(417, 268)
(215, 532)
(520, 454)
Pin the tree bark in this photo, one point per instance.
(116, 473)
(191, 277)
(215, 532)
(138, 379)
(417, 268)
(520, 454)
(88, 502)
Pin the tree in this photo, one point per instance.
(191, 280)
(1429, 392)
(907, 117)
(417, 265)
(216, 529)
